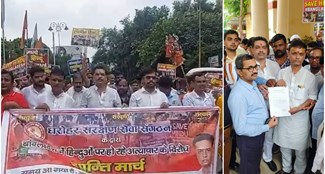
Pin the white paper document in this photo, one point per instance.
(279, 101)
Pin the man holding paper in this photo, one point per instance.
(249, 114)
(292, 133)
(268, 70)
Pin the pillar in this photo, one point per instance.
(283, 17)
(260, 24)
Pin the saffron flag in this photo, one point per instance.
(25, 32)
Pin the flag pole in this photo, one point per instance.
(3, 45)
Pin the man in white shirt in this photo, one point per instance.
(198, 97)
(314, 57)
(293, 131)
(148, 95)
(101, 95)
(38, 86)
(268, 70)
(56, 98)
(77, 91)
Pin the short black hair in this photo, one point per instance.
(76, 76)
(3, 71)
(260, 38)
(57, 71)
(101, 66)
(165, 82)
(240, 59)
(36, 69)
(203, 136)
(250, 42)
(312, 44)
(318, 48)
(191, 78)
(279, 37)
(297, 43)
(230, 32)
(244, 41)
(135, 81)
(118, 81)
(146, 71)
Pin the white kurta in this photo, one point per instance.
(293, 131)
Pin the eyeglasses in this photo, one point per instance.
(251, 68)
(315, 57)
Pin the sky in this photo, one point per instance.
(75, 13)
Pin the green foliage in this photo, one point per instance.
(141, 42)
(233, 7)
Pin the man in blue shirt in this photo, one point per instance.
(249, 115)
(165, 85)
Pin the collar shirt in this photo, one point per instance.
(318, 76)
(248, 109)
(31, 94)
(62, 101)
(294, 131)
(107, 99)
(173, 99)
(77, 96)
(193, 99)
(284, 65)
(270, 70)
(143, 98)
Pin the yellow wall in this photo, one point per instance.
(295, 20)
(293, 25)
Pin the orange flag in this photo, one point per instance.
(39, 43)
(25, 32)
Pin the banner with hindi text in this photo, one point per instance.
(133, 140)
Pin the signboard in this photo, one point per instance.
(75, 65)
(313, 11)
(69, 50)
(33, 56)
(86, 37)
(110, 141)
(167, 70)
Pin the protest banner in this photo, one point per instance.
(313, 11)
(133, 140)
(85, 37)
(167, 70)
(33, 56)
(75, 65)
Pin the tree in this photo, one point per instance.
(141, 42)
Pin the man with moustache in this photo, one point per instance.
(268, 70)
(77, 91)
(292, 133)
(148, 95)
(101, 95)
(38, 87)
(279, 45)
(198, 97)
(315, 54)
(249, 115)
(56, 98)
(9, 98)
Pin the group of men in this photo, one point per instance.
(248, 74)
(108, 93)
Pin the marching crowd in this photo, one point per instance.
(251, 67)
(100, 89)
